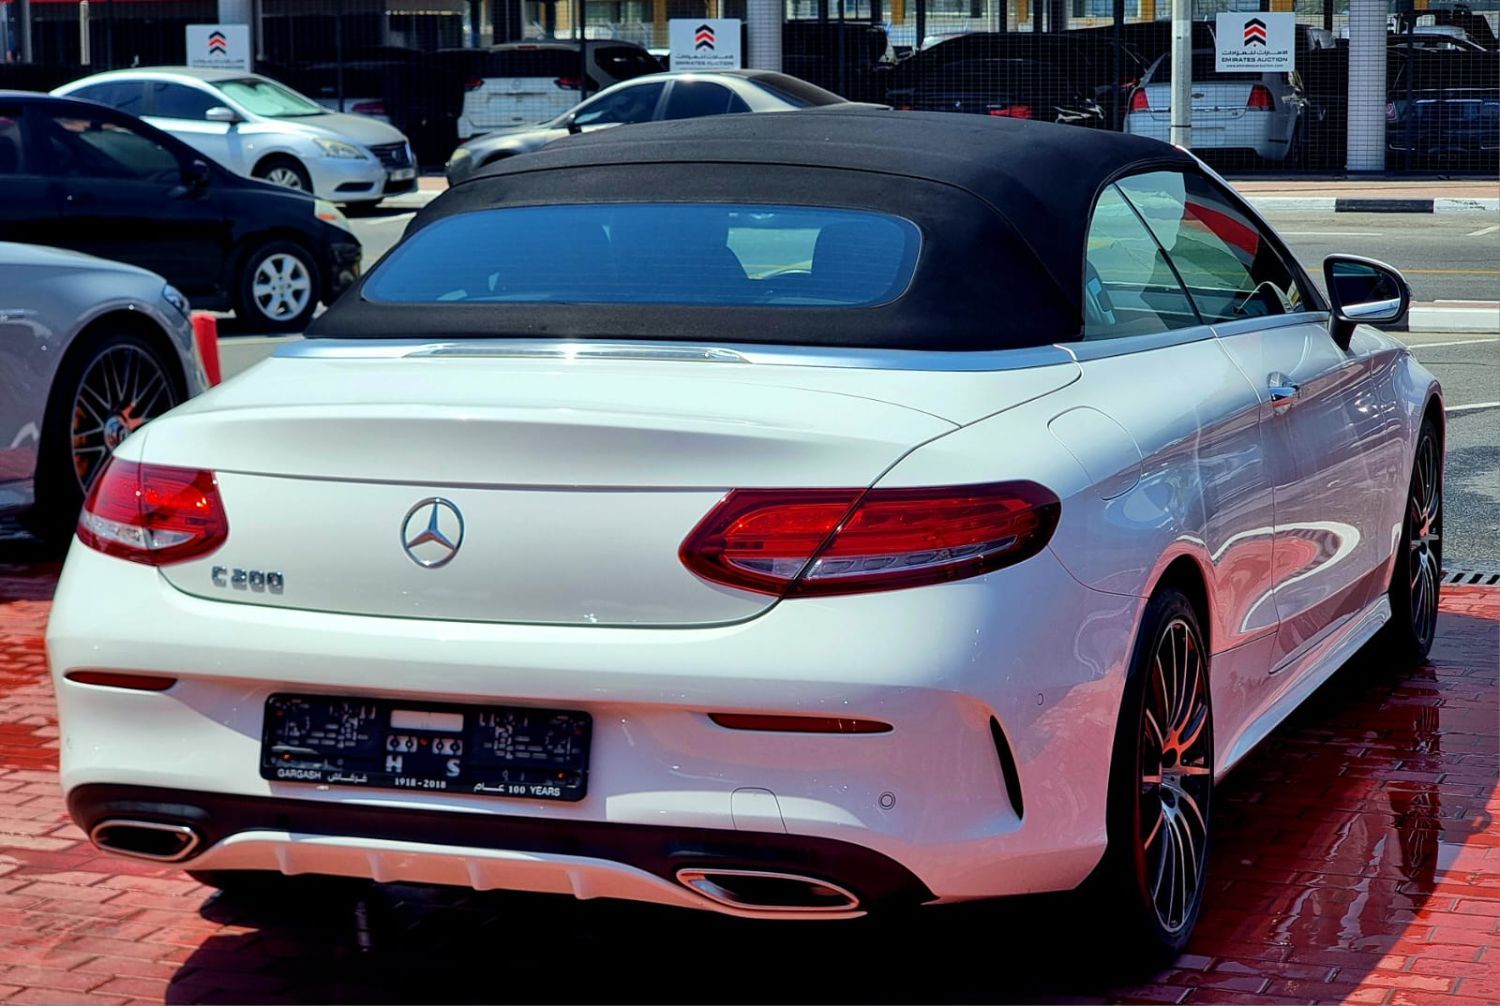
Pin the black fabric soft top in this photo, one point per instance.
(1004, 207)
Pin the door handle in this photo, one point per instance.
(1281, 389)
(80, 198)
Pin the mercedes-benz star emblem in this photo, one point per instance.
(432, 532)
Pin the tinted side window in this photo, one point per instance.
(633, 104)
(94, 148)
(178, 101)
(691, 99)
(12, 159)
(1229, 266)
(126, 95)
(1129, 289)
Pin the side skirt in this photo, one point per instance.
(1312, 670)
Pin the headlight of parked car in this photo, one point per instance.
(329, 213)
(338, 148)
(173, 296)
(461, 154)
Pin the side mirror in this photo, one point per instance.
(220, 113)
(1362, 291)
(573, 126)
(195, 178)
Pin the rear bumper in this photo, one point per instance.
(486, 851)
(1028, 648)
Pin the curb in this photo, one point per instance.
(1459, 320)
(1329, 204)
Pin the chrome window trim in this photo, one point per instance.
(787, 356)
(1229, 329)
(1101, 349)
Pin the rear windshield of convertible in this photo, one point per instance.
(653, 253)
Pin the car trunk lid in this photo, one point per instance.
(559, 493)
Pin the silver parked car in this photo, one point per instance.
(690, 94)
(1236, 110)
(257, 127)
(89, 351)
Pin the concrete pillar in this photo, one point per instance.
(1367, 52)
(1182, 73)
(236, 12)
(763, 34)
(23, 25)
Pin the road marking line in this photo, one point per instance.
(1459, 342)
(1467, 408)
(1335, 234)
(1484, 230)
(1454, 272)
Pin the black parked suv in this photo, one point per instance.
(95, 180)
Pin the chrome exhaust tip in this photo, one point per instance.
(761, 891)
(162, 843)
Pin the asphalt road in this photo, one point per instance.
(1469, 368)
(1444, 256)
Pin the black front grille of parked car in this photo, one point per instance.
(392, 155)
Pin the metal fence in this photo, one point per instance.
(1426, 81)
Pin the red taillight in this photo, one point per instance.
(474, 84)
(568, 83)
(798, 724)
(369, 108)
(1391, 115)
(794, 543)
(153, 514)
(121, 679)
(1260, 99)
(1139, 102)
(1010, 111)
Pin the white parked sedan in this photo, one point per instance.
(260, 128)
(867, 524)
(1232, 110)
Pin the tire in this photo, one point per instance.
(110, 384)
(1417, 573)
(278, 288)
(287, 172)
(1148, 899)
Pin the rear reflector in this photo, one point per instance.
(799, 724)
(206, 346)
(800, 542)
(118, 679)
(1260, 99)
(153, 514)
(1139, 102)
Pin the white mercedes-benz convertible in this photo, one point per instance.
(782, 515)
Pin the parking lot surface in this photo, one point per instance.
(1357, 859)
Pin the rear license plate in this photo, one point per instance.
(403, 174)
(517, 751)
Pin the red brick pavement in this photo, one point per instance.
(1356, 860)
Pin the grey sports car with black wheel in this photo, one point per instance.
(90, 350)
